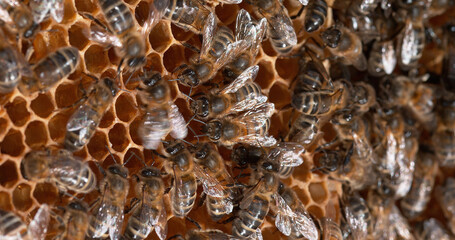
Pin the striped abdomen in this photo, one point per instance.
(137, 228)
(183, 198)
(412, 44)
(249, 91)
(11, 226)
(155, 126)
(188, 14)
(314, 103)
(382, 58)
(118, 15)
(9, 70)
(216, 207)
(315, 16)
(331, 230)
(82, 182)
(417, 198)
(222, 39)
(443, 142)
(55, 67)
(285, 171)
(304, 129)
(251, 218)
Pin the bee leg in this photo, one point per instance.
(93, 204)
(100, 168)
(202, 200)
(298, 14)
(133, 204)
(96, 20)
(191, 47)
(159, 154)
(194, 222)
(176, 236)
(170, 187)
(230, 219)
(60, 221)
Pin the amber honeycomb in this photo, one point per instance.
(30, 123)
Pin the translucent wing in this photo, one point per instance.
(57, 10)
(389, 59)
(81, 121)
(64, 171)
(178, 124)
(258, 140)
(115, 221)
(400, 224)
(261, 29)
(243, 25)
(208, 33)
(283, 27)
(318, 65)
(161, 223)
(258, 234)
(304, 223)
(259, 113)
(154, 127)
(230, 1)
(211, 185)
(232, 51)
(249, 196)
(4, 15)
(287, 154)
(99, 35)
(249, 73)
(155, 14)
(304, 2)
(40, 9)
(176, 191)
(283, 221)
(37, 228)
(216, 234)
(13, 3)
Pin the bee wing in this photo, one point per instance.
(249, 73)
(115, 221)
(37, 228)
(259, 113)
(258, 140)
(243, 25)
(101, 36)
(287, 154)
(283, 220)
(40, 9)
(153, 129)
(4, 16)
(321, 69)
(208, 33)
(57, 10)
(161, 223)
(211, 185)
(261, 29)
(249, 196)
(304, 2)
(304, 223)
(178, 124)
(258, 234)
(155, 14)
(389, 59)
(283, 27)
(216, 234)
(232, 51)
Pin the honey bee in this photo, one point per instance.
(363, 97)
(12, 227)
(312, 74)
(349, 47)
(148, 211)
(187, 14)
(446, 198)
(13, 66)
(415, 202)
(330, 229)
(280, 29)
(411, 43)
(50, 70)
(357, 216)
(75, 221)
(219, 47)
(42, 8)
(382, 58)
(292, 218)
(108, 217)
(256, 32)
(248, 127)
(304, 129)
(14, 12)
(433, 229)
(183, 193)
(256, 201)
(215, 178)
(162, 115)
(315, 15)
(443, 141)
(238, 96)
(64, 170)
(83, 123)
(208, 234)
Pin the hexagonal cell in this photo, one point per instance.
(108, 118)
(3, 125)
(135, 159)
(69, 12)
(42, 105)
(5, 202)
(45, 193)
(154, 62)
(96, 59)
(160, 37)
(125, 108)
(111, 159)
(173, 57)
(265, 76)
(113, 58)
(86, 6)
(287, 68)
(97, 146)
(133, 129)
(12, 143)
(17, 111)
(316, 211)
(279, 95)
(57, 37)
(40, 48)
(36, 135)
(67, 94)
(268, 49)
(302, 195)
(77, 36)
(9, 176)
(180, 34)
(22, 200)
(227, 13)
(117, 137)
(57, 126)
(318, 192)
(142, 12)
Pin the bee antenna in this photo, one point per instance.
(194, 133)
(187, 96)
(185, 141)
(129, 78)
(201, 135)
(199, 121)
(191, 119)
(173, 80)
(72, 196)
(316, 169)
(119, 68)
(139, 158)
(110, 153)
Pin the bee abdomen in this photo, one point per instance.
(137, 229)
(285, 171)
(223, 38)
(9, 70)
(11, 225)
(316, 13)
(184, 198)
(251, 218)
(117, 15)
(216, 208)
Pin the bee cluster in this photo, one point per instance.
(360, 114)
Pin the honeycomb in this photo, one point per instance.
(38, 121)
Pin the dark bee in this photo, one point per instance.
(316, 14)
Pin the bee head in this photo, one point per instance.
(152, 80)
(213, 129)
(173, 147)
(118, 170)
(78, 205)
(159, 92)
(34, 166)
(200, 106)
(269, 166)
(111, 86)
(331, 37)
(150, 172)
(201, 150)
(32, 30)
(189, 77)
(243, 155)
